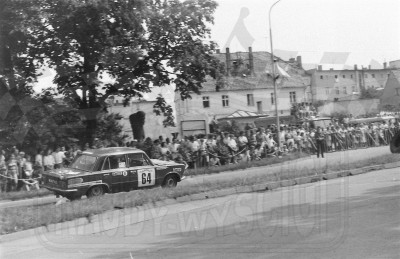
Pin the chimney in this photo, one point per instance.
(369, 67)
(299, 62)
(228, 62)
(384, 65)
(355, 67)
(319, 67)
(218, 51)
(251, 60)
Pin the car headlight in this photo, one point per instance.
(75, 181)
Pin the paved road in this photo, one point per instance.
(352, 217)
(343, 158)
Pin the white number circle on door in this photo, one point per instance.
(146, 177)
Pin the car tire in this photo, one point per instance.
(170, 181)
(95, 191)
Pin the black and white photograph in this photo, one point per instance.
(199, 129)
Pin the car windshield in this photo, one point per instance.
(84, 162)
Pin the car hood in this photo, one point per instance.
(64, 172)
(164, 163)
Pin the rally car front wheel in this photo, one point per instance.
(95, 191)
(170, 181)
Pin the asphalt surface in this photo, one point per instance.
(351, 217)
(308, 163)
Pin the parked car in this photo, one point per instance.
(110, 170)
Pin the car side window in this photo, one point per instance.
(137, 160)
(106, 165)
(115, 162)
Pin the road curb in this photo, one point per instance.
(91, 219)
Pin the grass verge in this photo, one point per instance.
(21, 218)
(191, 172)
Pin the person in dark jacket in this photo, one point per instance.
(319, 139)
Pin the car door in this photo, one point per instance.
(141, 170)
(116, 166)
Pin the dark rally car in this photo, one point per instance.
(110, 170)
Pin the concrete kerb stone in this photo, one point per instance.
(259, 187)
(330, 176)
(287, 183)
(273, 185)
(244, 189)
(344, 173)
(91, 219)
(226, 192)
(303, 180)
(391, 165)
(357, 171)
(198, 196)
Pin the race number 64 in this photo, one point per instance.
(146, 177)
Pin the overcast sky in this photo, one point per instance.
(359, 30)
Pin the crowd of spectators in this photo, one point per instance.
(19, 170)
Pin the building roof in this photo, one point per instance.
(244, 114)
(260, 79)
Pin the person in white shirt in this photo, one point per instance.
(59, 157)
(48, 161)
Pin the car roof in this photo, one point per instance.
(112, 151)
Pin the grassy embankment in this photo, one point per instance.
(198, 171)
(20, 218)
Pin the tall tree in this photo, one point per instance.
(136, 44)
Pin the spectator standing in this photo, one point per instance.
(165, 153)
(59, 157)
(12, 171)
(48, 161)
(155, 152)
(29, 182)
(3, 172)
(320, 138)
(39, 161)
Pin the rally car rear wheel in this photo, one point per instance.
(170, 181)
(95, 191)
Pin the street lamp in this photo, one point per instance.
(274, 79)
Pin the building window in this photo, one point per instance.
(336, 76)
(321, 77)
(292, 97)
(327, 90)
(366, 75)
(344, 76)
(272, 98)
(250, 100)
(225, 101)
(373, 75)
(351, 76)
(337, 90)
(344, 90)
(206, 102)
(398, 91)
